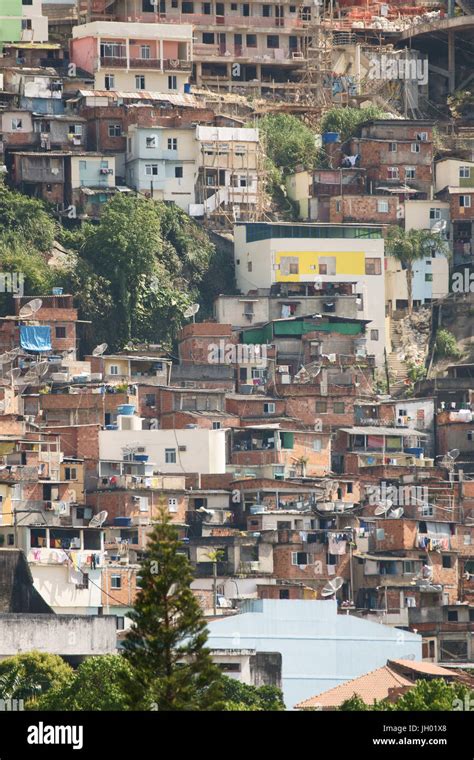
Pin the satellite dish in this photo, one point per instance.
(191, 311)
(98, 520)
(332, 586)
(454, 453)
(383, 507)
(100, 349)
(30, 308)
(396, 513)
(439, 227)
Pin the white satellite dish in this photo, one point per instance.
(98, 520)
(439, 227)
(100, 349)
(396, 513)
(30, 308)
(383, 507)
(191, 311)
(454, 453)
(332, 587)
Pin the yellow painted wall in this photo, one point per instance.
(6, 506)
(347, 262)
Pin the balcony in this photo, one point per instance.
(112, 61)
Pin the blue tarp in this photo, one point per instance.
(35, 338)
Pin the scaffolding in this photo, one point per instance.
(318, 56)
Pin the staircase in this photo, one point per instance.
(396, 366)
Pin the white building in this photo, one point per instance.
(269, 253)
(171, 451)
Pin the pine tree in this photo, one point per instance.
(166, 643)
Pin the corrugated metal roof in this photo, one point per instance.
(180, 98)
(395, 432)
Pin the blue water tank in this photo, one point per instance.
(331, 137)
(126, 409)
(187, 88)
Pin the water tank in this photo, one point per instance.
(331, 137)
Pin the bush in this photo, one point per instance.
(446, 345)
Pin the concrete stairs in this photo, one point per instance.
(397, 368)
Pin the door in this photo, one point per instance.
(237, 44)
(222, 44)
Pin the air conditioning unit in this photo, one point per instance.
(104, 171)
(182, 448)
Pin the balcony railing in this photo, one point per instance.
(169, 64)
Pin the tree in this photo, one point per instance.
(98, 684)
(429, 696)
(241, 696)
(347, 120)
(289, 142)
(29, 675)
(166, 644)
(408, 247)
(25, 219)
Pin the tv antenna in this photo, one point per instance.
(100, 349)
(332, 587)
(30, 308)
(191, 311)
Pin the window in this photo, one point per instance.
(75, 129)
(421, 136)
(273, 41)
(172, 143)
(464, 201)
(452, 616)
(151, 142)
(269, 408)
(284, 593)
(216, 425)
(150, 399)
(208, 38)
(151, 170)
(327, 265)
(187, 7)
(338, 407)
(172, 504)
(338, 207)
(435, 213)
(113, 370)
(447, 561)
(299, 558)
(249, 266)
(115, 130)
(17, 125)
(409, 568)
(172, 82)
(178, 172)
(120, 622)
(429, 277)
(60, 332)
(464, 172)
(70, 473)
(374, 335)
(251, 40)
(392, 147)
(115, 581)
(415, 148)
(392, 172)
(26, 23)
(266, 11)
(317, 444)
(139, 82)
(109, 81)
(373, 266)
(170, 456)
(233, 6)
(382, 207)
(321, 407)
(410, 172)
(145, 52)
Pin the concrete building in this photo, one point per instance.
(160, 162)
(258, 48)
(454, 183)
(172, 451)
(133, 57)
(266, 254)
(22, 21)
(320, 649)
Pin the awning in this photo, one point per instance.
(35, 338)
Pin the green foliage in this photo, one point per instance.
(25, 219)
(347, 120)
(30, 675)
(426, 696)
(99, 683)
(416, 372)
(240, 696)
(166, 644)
(446, 345)
(289, 142)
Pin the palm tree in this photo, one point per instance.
(410, 246)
